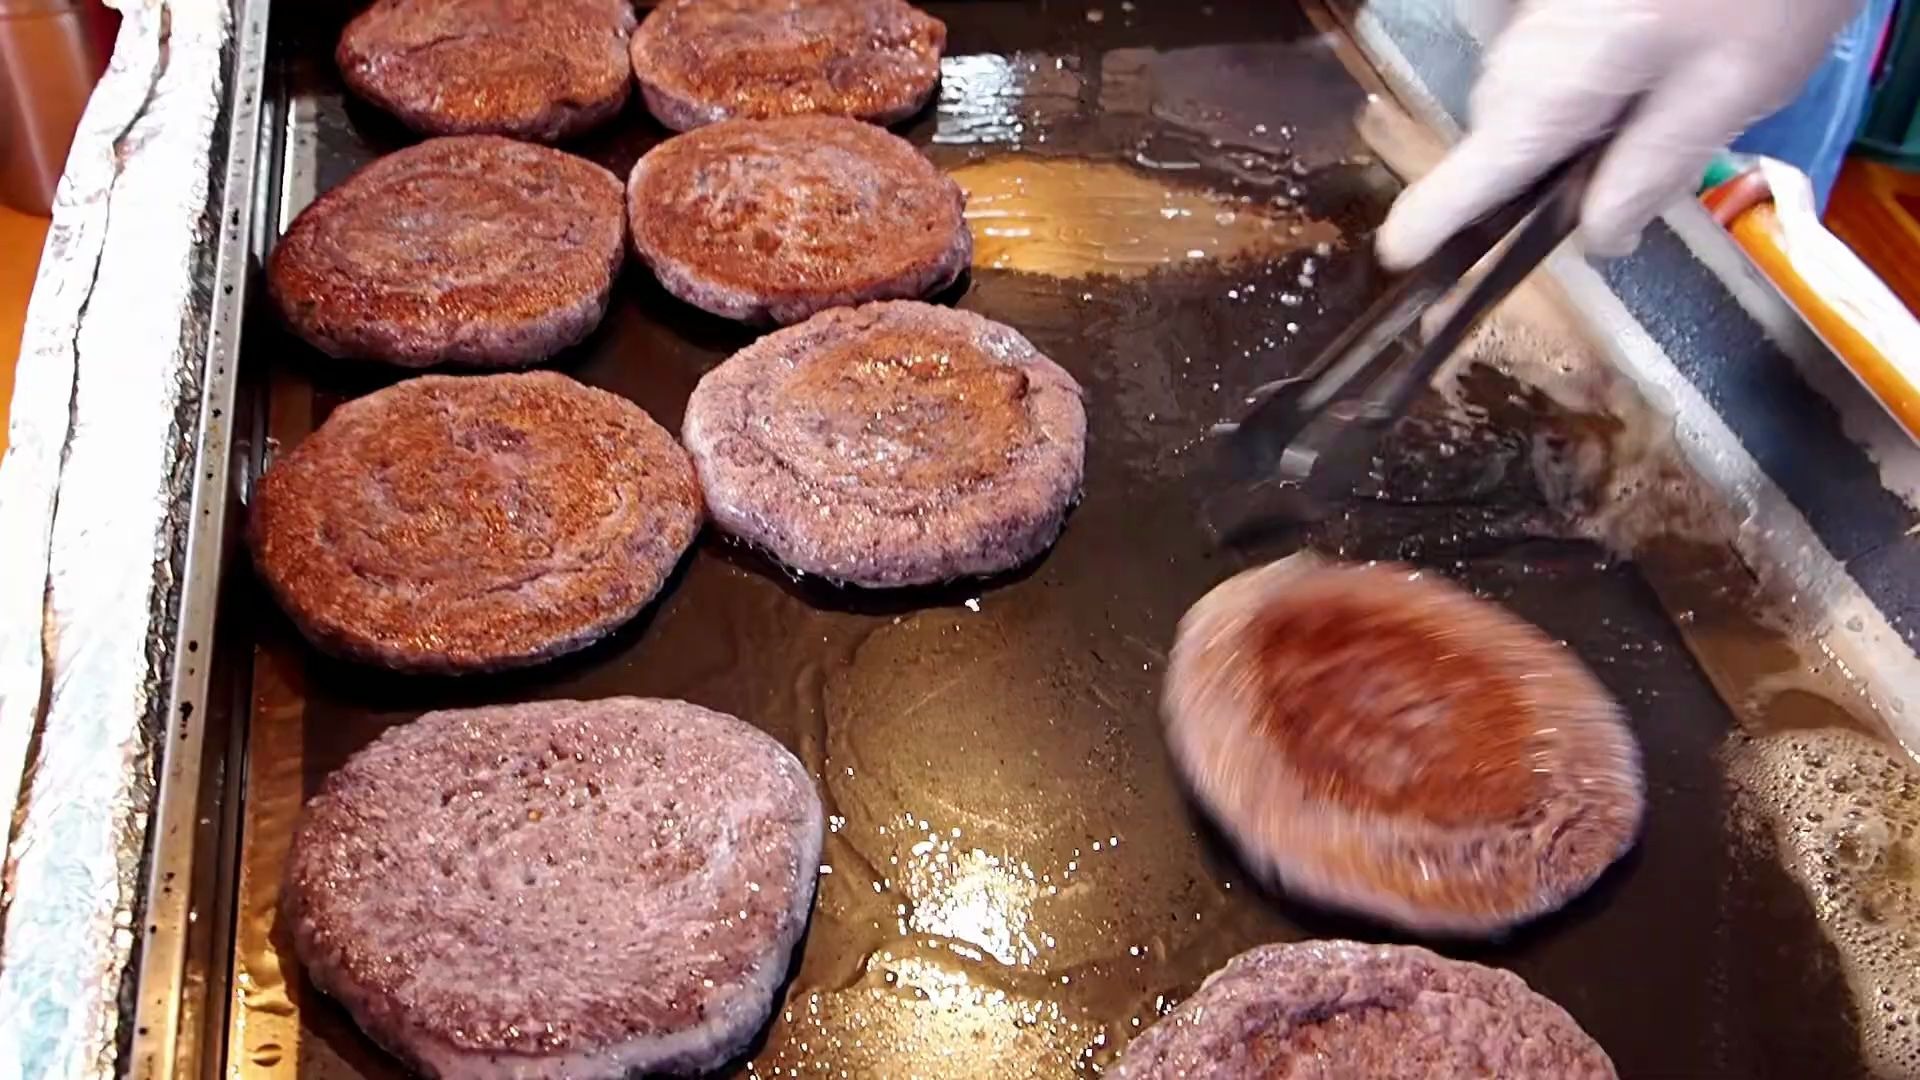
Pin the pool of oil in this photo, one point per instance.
(1172, 203)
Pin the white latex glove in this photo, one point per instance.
(1679, 78)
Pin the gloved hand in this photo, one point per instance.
(1678, 78)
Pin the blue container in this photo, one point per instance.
(1815, 131)
(1892, 131)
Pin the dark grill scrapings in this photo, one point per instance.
(702, 61)
(583, 889)
(474, 523)
(475, 250)
(532, 69)
(892, 444)
(775, 220)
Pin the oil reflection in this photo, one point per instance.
(973, 897)
(927, 1016)
(1071, 218)
(1004, 100)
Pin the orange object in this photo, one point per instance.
(1876, 209)
(21, 237)
(1812, 271)
(1737, 196)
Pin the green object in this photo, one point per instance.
(1891, 132)
(1725, 167)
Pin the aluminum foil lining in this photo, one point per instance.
(107, 383)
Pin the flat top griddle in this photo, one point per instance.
(1015, 880)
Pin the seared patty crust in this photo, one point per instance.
(473, 523)
(474, 250)
(892, 444)
(776, 220)
(703, 61)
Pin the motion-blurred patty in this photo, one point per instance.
(1377, 740)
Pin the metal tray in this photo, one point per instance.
(1015, 882)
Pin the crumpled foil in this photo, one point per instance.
(107, 380)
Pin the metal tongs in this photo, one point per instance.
(1309, 438)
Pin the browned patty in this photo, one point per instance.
(775, 220)
(1380, 741)
(1317, 1010)
(474, 523)
(892, 444)
(532, 69)
(470, 250)
(576, 889)
(701, 61)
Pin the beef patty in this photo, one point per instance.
(471, 250)
(892, 444)
(571, 888)
(775, 220)
(700, 61)
(1321, 1009)
(474, 523)
(532, 69)
(1380, 741)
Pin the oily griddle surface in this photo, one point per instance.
(1018, 881)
